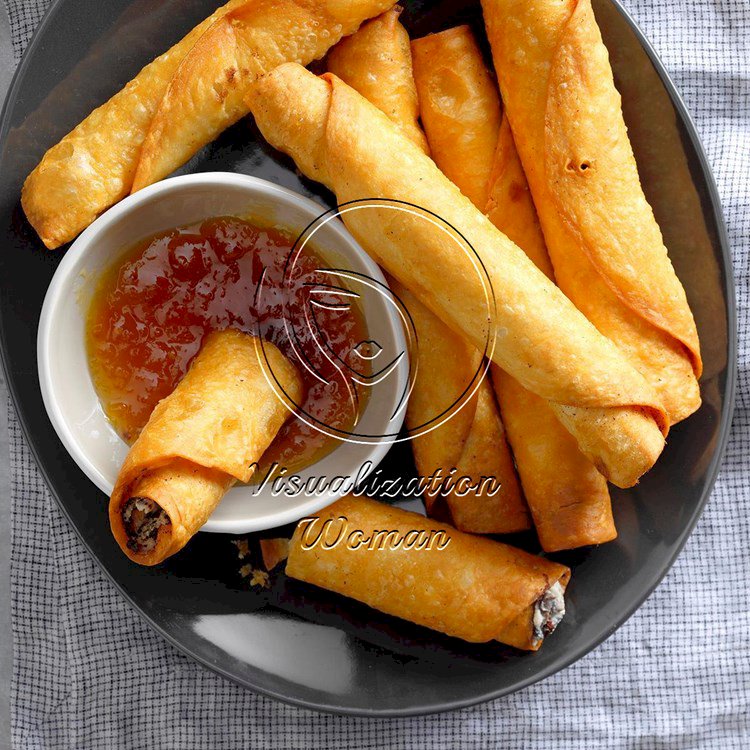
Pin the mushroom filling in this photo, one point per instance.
(143, 518)
(548, 611)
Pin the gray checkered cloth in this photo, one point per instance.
(676, 675)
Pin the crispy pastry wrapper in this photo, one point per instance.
(605, 245)
(377, 62)
(204, 436)
(460, 108)
(339, 138)
(206, 94)
(93, 166)
(472, 440)
(472, 143)
(464, 585)
(176, 104)
(568, 498)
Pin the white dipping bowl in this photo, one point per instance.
(68, 391)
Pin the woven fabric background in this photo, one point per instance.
(89, 674)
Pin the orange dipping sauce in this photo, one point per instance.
(149, 314)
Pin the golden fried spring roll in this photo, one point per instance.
(605, 245)
(568, 498)
(460, 108)
(176, 104)
(488, 499)
(473, 144)
(207, 92)
(376, 61)
(200, 439)
(342, 140)
(93, 166)
(429, 573)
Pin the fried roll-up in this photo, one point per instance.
(471, 440)
(93, 166)
(177, 104)
(207, 434)
(340, 139)
(376, 61)
(472, 143)
(605, 245)
(460, 108)
(568, 498)
(207, 92)
(429, 573)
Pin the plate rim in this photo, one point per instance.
(725, 426)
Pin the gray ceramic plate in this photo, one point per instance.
(296, 643)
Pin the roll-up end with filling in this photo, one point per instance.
(201, 439)
(549, 611)
(142, 518)
(532, 625)
(160, 510)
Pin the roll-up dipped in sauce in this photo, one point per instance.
(207, 434)
(151, 311)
